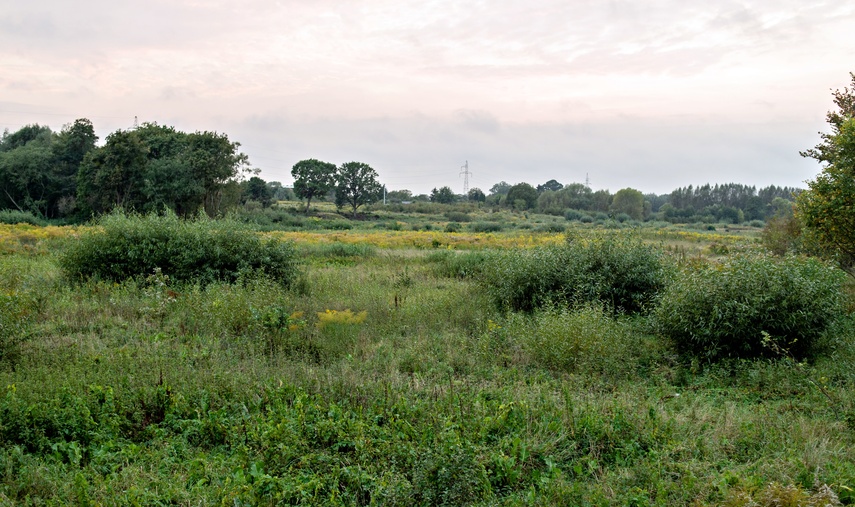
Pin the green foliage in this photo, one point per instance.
(313, 178)
(617, 270)
(443, 196)
(20, 217)
(522, 192)
(486, 226)
(199, 250)
(356, 184)
(15, 310)
(630, 202)
(586, 339)
(725, 309)
(457, 216)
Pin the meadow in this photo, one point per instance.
(385, 373)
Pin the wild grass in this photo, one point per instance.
(385, 376)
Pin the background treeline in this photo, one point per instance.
(728, 203)
(66, 176)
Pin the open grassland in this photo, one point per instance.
(385, 375)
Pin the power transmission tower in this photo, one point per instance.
(464, 170)
(587, 181)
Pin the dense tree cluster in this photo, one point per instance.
(149, 168)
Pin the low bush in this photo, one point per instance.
(749, 306)
(202, 250)
(8, 216)
(485, 227)
(457, 216)
(615, 269)
(574, 215)
(551, 227)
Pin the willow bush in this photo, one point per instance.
(751, 306)
(201, 250)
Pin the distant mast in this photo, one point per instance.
(464, 171)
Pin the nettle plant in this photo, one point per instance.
(751, 306)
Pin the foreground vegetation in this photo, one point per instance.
(390, 372)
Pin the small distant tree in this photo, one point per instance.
(476, 195)
(522, 192)
(256, 189)
(313, 178)
(549, 185)
(500, 188)
(443, 196)
(629, 201)
(356, 184)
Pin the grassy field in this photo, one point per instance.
(386, 376)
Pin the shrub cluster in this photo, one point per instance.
(616, 270)
(8, 216)
(750, 306)
(202, 250)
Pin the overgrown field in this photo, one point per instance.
(394, 368)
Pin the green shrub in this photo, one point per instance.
(551, 227)
(615, 269)
(457, 216)
(485, 227)
(749, 306)
(573, 215)
(203, 250)
(8, 216)
(452, 227)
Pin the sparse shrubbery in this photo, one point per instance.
(617, 270)
(726, 309)
(202, 251)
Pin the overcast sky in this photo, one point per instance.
(652, 95)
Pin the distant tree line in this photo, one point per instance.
(66, 175)
(728, 203)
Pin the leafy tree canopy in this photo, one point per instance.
(356, 184)
(313, 178)
(524, 193)
(443, 196)
(827, 207)
(550, 185)
(629, 201)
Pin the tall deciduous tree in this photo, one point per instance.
(443, 196)
(214, 161)
(827, 207)
(69, 149)
(313, 178)
(629, 201)
(356, 184)
(25, 169)
(113, 175)
(524, 193)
